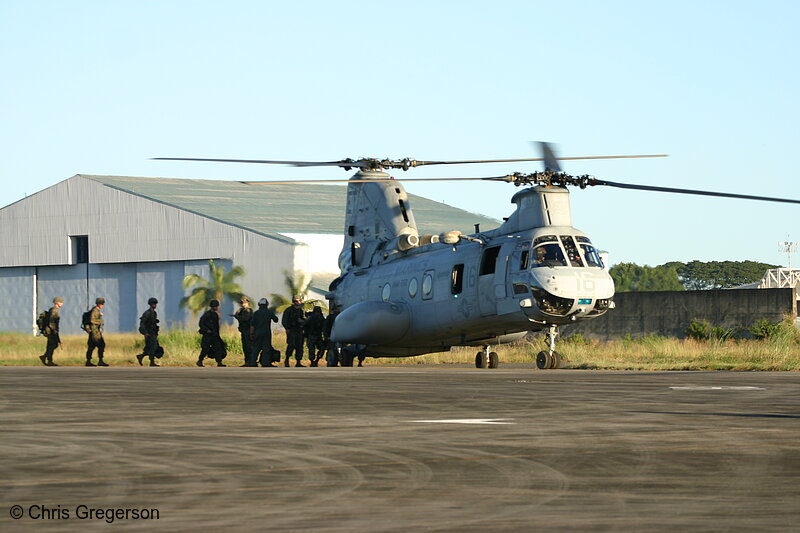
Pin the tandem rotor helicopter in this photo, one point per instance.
(403, 294)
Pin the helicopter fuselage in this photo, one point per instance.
(480, 289)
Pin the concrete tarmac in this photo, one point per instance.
(399, 449)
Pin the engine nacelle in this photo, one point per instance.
(372, 323)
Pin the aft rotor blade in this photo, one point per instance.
(292, 182)
(691, 191)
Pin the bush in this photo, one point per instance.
(764, 329)
(698, 329)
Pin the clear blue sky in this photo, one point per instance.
(98, 87)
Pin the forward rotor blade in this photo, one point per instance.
(692, 191)
(292, 182)
(265, 161)
(371, 163)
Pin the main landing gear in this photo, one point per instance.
(549, 359)
(487, 359)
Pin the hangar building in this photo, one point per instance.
(130, 238)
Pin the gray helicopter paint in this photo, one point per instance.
(427, 298)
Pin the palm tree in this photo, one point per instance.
(296, 284)
(218, 285)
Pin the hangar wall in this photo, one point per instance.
(668, 313)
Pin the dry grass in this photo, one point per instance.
(781, 352)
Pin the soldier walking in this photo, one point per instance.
(261, 331)
(292, 321)
(211, 345)
(148, 326)
(244, 316)
(51, 329)
(95, 330)
(332, 347)
(312, 329)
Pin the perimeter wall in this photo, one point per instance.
(668, 313)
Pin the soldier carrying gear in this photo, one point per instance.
(51, 330)
(211, 345)
(292, 321)
(148, 326)
(312, 330)
(94, 328)
(244, 315)
(261, 331)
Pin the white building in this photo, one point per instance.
(128, 239)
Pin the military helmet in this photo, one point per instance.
(243, 299)
(213, 303)
(58, 300)
(263, 301)
(152, 301)
(100, 301)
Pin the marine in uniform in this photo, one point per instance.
(211, 345)
(51, 332)
(332, 356)
(292, 321)
(261, 331)
(312, 330)
(148, 326)
(244, 316)
(95, 331)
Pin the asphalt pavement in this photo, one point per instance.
(400, 448)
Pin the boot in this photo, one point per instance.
(101, 363)
(220, 363)
(199, 362)
(298, 363)
(139, 358)
(89, 363)
(43, 359)
(153, 361)
(286, 362)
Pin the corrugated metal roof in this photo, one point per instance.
(300, 208)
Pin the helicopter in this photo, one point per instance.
(403, 294)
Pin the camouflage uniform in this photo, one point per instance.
(261, 329)
(148, 326)
(292, 321)
(211, 345)
(51, 332)
(244, 315)
(95, 331)
(312, 330)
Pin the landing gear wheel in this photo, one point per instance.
(481, 360)
(543, 360)
(555, 360)
(494, 360)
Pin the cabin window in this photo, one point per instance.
(413, 286)
(545, 238)
(548, 255)
(523, 260)
(403, 210)
(386, 292)
(427, 285)
(457, 280)
(79, 249)
(572, 251)
(489, 260)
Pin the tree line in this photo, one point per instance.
(695, 275)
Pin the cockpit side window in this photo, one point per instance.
(572, 251)
(591, 256)
(549, 254)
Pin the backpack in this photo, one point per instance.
(42, 321)
(86, 321)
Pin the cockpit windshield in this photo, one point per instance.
(564, 250)
(549, 254)
(591, 256)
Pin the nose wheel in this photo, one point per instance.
(549, 359)
(486, 359)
